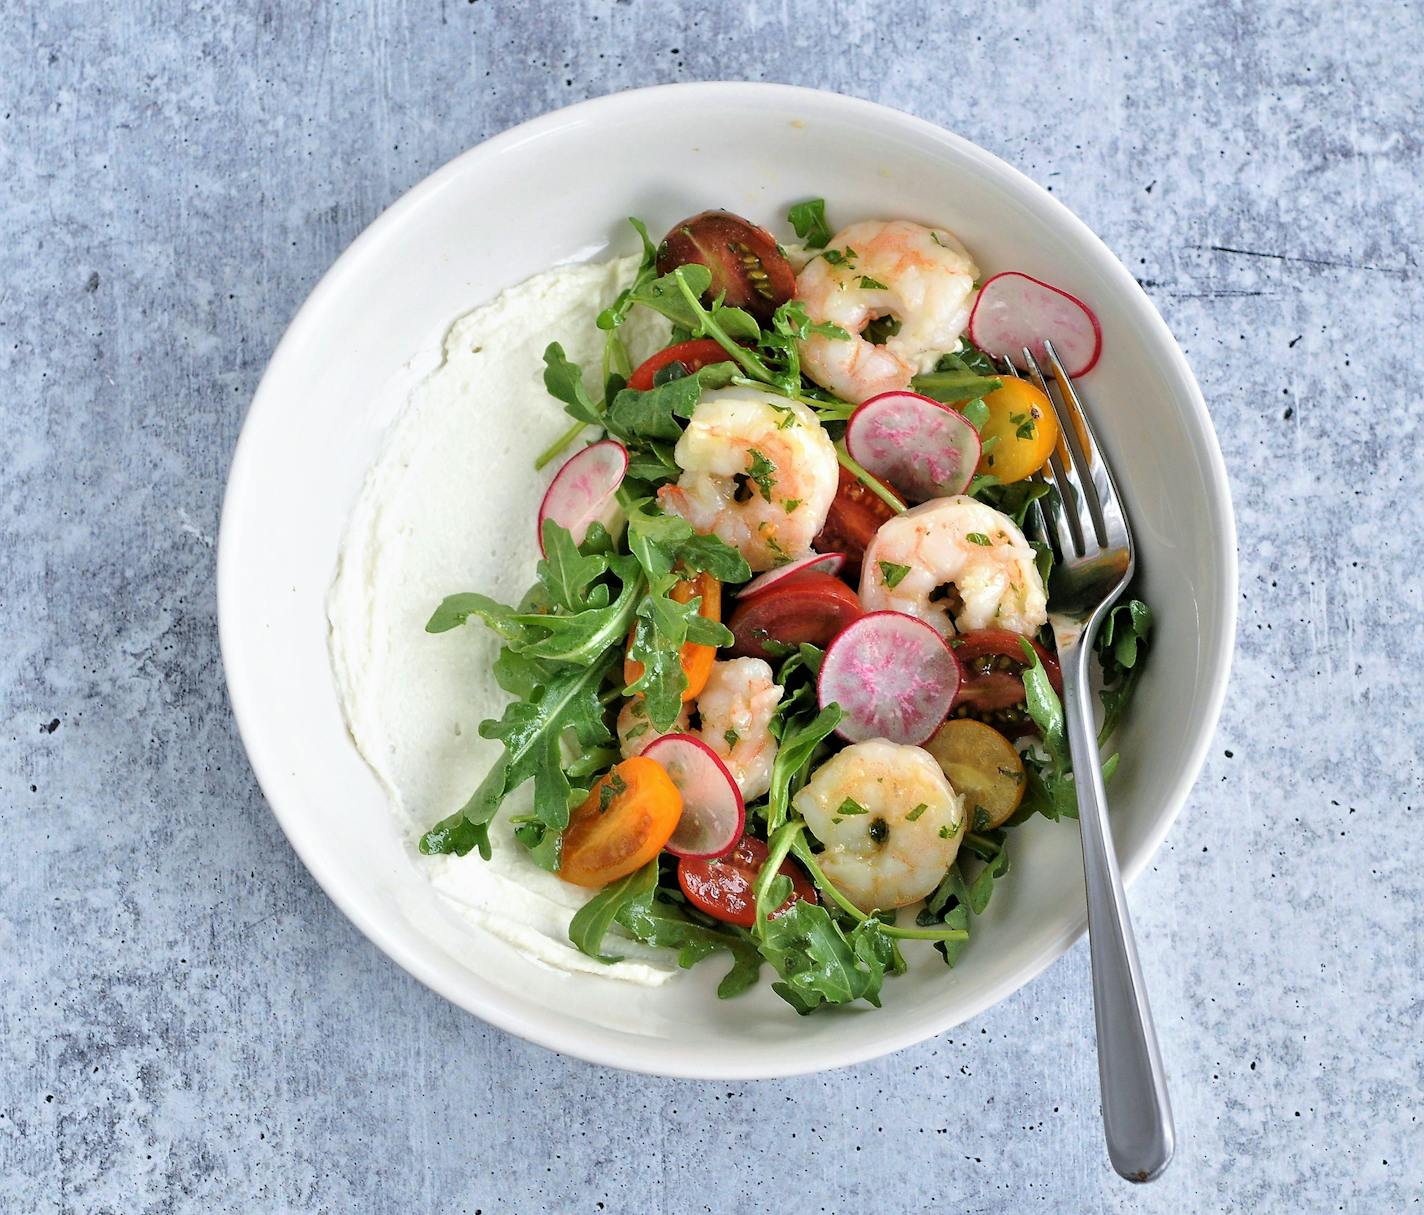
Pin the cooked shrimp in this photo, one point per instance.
(636, 732)
(889, 819)
(958, 564)
(758, 471)
(923, 277)
(737, 706)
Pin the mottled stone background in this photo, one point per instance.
(188, 1023)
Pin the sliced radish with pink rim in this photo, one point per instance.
(1015, 310)
(713, 815)
(893, 676)
(922, 448)
(827, 563)
(581, 493)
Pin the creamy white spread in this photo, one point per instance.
(449, 506)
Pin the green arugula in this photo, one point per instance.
(964, 376)
(809, 221)
(560, 645)
(633, 904)
(1120, 648)
(956, 901)
(635, 416)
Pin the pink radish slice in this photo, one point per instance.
(893, 676)
(581, 493)
(828, 563)
(1016, 310)
(713, 815)
(922, 448)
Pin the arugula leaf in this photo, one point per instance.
(564, 380)
(593, 920)
(519, 674)
(715, 556)
(809, 220)
(1015, 500)
(737, 324)
(455, 610)
(652, 462)
(964, 376)
(657, 921)
(666, 295)
(653, 414)
(567, 574)
(818, 965)
(1120, 647)
(583, 636)
(799, 739)
(663, 627)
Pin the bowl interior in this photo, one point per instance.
(557, 190)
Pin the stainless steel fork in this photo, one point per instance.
(1087, 526)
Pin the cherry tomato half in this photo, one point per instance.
(983, 767)
(748, 268)
(855, 516)
(629, 814)
(991, 689)
(694, 355)
(1022, 422)
(722, 886)
(811, 606)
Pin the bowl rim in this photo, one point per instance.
(597, 1044)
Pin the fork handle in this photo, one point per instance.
(1137, 1116)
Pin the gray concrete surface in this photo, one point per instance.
(188, 1024)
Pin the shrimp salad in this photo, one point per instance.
(784, 685)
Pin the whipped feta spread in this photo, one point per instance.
(450, 505)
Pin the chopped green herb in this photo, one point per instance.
(791, 504)
(851, 806)
(979, 538)
(914, 815)
(872, 284)
(892, 572)
(610, 789)
(762, 472)
(731, 738)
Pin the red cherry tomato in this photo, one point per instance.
(694, 355)
(722, 886)
(855, 516)
(991, 689)
(810, 606)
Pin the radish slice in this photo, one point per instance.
(581, 493)
(713, 815)
(893, 676)
(923, 448)
(829, 563)
(1016, 310)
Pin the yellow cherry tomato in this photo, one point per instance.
(1020, 433)
(983, 767)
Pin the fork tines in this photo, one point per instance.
(1086, 515)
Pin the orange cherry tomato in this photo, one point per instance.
(1022, 421)
(696, 659)
(694, 355)
(629, 814)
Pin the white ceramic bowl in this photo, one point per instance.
(557, 189)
